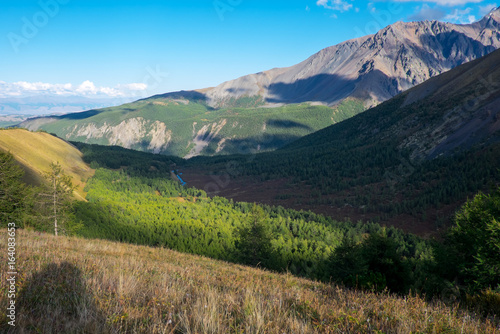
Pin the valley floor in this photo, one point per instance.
(280, 192)
(74, 285)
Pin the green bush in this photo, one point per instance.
(475, 241)
(374, 264)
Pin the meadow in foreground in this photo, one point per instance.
(73, 285)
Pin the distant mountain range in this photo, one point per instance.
(12, 120)
(235, 117)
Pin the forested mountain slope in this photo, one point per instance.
(420, 153)
(187, 127)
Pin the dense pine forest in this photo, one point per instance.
(134, 197)
(366, 162)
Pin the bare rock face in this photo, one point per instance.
(127, 133)
(373, 68)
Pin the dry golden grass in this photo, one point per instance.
(35, 151)
(72, 285)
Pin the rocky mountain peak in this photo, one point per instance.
(372, 68)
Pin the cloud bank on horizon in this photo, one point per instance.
(85, 89)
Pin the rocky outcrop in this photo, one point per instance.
(128, 133)
(204, 136)
(465, 104)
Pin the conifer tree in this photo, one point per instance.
(254, 245)
(56, 198)
(475, 239)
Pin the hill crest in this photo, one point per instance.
(35, 151)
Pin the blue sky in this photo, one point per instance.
(123, 48)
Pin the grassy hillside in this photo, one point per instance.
(72, 285)
(188, 128)
(35, 151)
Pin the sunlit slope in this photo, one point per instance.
(187, 128)
(35, 151)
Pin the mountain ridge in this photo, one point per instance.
(235, 117)
(416, 50)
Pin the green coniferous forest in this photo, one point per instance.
(365, 161)
(141, 203)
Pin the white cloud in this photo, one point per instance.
(85, 89)
(134, 86)
(445, 2)
(338, 5)
(425, 12)
(483, 10)
(461, 16)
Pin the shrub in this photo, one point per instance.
(475, 240)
